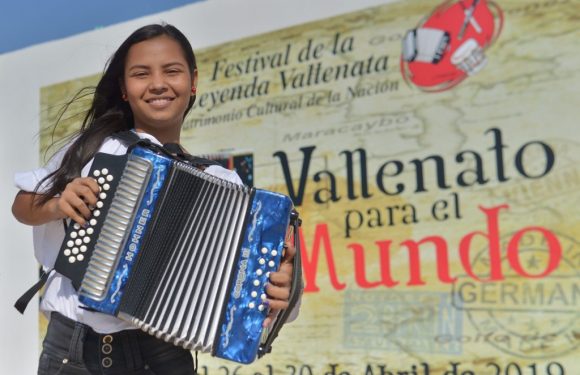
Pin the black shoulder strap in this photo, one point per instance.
(176, 150)
(130, 139)
(127, 137)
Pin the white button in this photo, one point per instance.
(83, 249)
(93, 222)
(80, 257)
(90, 231)
(87, 239)
(73, 234)
(106, 187)
(99, 204)
(71, 259)
(268, 275)
(110, 178)
(254, 294)
(102, 195)
(96, 213)
(101, 180)
(75, 250)
(251, 305)
(66, 252)
(96, 173)
(261, 307)
(264, 250)
(82, 232)
(104, 171)
(263, 296)
(70, 243)
(256, 282)
(274, 253)
(77, 226)
(65, 360)
(271, 263)
(78, 242)
(262, 261)
(259, 272)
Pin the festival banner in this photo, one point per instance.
(431, 149)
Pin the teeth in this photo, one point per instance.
(159, 100)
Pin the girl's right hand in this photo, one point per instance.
(77, 199)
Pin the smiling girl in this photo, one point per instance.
(148, 87)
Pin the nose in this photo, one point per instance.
(157, 83)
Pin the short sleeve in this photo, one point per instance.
(27, 181)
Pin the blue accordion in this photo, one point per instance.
(181, 254)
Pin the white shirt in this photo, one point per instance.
(59, 294)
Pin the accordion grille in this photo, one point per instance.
(112, 237)
(181, 280)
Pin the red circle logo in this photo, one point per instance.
(449, 44)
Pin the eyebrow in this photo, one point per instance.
(163, 66)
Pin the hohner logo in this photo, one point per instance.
(137, 234)
(241, 273)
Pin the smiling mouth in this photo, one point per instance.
(159, 100)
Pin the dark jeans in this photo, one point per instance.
(72, 348)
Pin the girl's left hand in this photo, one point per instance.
(278, 288)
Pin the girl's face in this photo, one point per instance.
(158, 86)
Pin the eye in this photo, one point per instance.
(139, 74)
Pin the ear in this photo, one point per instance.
(123, 89)
(194, 81)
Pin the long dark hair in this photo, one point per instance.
(108, 112)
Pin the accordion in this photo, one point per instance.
(181, 254)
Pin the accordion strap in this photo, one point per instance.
(174, 150)
(295, 291)
(23, 301)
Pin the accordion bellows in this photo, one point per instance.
(179, 253)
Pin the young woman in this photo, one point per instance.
(148, 87)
